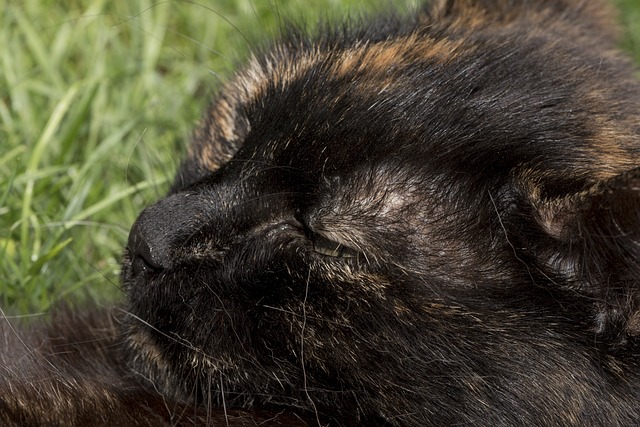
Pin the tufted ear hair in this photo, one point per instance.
(591, 240)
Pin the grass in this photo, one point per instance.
(97, 99)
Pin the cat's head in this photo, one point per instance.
(413, 221)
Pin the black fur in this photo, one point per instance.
(426, 220)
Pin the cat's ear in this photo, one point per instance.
(592, 241)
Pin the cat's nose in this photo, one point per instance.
(161, 228)
(146, 246)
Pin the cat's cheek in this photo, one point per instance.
(275, 301)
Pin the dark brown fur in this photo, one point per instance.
(422, 220)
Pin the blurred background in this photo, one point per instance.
(97, 102)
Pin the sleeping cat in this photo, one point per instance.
(417, 220)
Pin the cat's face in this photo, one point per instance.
(388, 222)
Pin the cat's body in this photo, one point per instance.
(432, 220)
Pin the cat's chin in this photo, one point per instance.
(179, 369)
(164, 350)
(192, 342)
(198, 338)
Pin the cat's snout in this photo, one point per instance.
(145, 249)
(161, 228)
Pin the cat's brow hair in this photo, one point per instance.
(370, 62)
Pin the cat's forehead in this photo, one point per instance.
(382, 189)
(450, 103)
(346, 104)
(369, 66)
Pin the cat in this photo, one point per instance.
(420, 220)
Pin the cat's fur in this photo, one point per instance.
(427, 220)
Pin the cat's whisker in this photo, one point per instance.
(224, 403)
(297, 315)
(302, 353)
(267, 166)
(173, 337)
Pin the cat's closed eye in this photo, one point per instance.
(325, 246)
